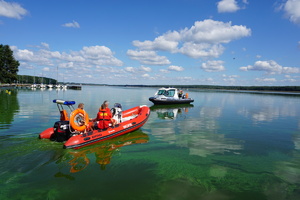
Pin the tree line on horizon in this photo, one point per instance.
(219, 87)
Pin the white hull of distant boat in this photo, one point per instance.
(165, 96)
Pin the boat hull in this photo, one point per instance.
(169, 101)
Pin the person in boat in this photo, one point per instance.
(81, 106)
(180, 94)
(104, 116)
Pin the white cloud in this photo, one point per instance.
(147, 69)
(148, 57)
(202, 40)
(270, 67)
(164, 71)
(215, 32)
(209, 79)
(175, 68)
(245, 68)
(146, 75)
(46, 69)
(129, 69)
(291, 80)
(141, 69)
(26, 55)
(213, 66)
(88, 57)
(230, 76)
(292, 10)
(43, 45)
(166, 42)
(227, 6)
(12, 10)
(184, 79)
(230, 80)
(67, 65)
(265, 79)
(202, 50)
(73, 24)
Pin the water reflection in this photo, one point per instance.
(288, 169)
(268, 108)
(79, 159)
(209, 139)
(171, 112)
(9, 106)
(202, 137)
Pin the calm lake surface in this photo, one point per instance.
(226, 145)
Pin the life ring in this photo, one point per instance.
(79, 120)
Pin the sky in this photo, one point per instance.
(150, 42)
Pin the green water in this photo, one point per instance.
(224, 146)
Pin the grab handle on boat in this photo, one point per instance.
(63, 102)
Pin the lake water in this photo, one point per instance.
(226, 145)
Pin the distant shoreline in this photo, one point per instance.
(285, 89)
(265, 89)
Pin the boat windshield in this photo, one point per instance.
(169, 93)
(161, 92)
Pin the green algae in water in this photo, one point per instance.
(220, 149)
(9, 181)
(216, 173)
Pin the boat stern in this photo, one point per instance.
(46, 134)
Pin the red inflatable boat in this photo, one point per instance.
(78, 132)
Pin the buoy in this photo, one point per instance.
(79, 113)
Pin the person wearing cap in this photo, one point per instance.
(104, 116)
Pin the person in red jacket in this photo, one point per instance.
(104, 116)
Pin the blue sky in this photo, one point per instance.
(210, 42)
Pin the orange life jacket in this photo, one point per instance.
(104, 116)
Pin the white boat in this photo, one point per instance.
(33, 85)
(64, 87)
(166, 96)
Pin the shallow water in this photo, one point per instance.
(224, 146)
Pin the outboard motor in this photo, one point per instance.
(116, 112)
(61, 131)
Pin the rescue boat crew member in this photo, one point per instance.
(104, 116)
(180, 94)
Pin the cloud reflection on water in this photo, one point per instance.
(199, 135)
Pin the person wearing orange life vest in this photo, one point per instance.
(104, 116)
